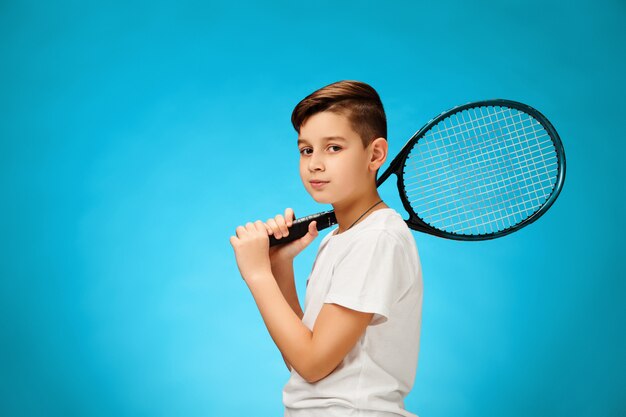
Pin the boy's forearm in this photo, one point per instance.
(287, 363)
(292, 337)
(283, 272)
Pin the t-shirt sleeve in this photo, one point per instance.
(370, 276)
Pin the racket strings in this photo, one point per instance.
(489, 177)
(518, 201)
(487, 192)
(498, 166)
(481, 170)
(495, 210)
(458, 128)
(435, 162)
(477, 166)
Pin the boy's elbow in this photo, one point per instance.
(318, 372)
(315, 365)
(312, 379)
(309, 377)
(306, 374)
(315, 379)
(308, 371)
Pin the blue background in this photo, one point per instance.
(137, 135)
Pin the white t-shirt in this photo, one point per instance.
(372, 267)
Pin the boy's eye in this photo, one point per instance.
(305, 151)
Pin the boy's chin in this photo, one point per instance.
(322, 199)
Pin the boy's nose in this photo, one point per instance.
(315, 163)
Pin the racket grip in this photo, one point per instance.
(300, 226)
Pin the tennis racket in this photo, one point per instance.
(478, 171)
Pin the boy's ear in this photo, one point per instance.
(378, 153)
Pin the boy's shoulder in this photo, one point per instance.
(384, 239)
(385, 225)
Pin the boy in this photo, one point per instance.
(353, 351)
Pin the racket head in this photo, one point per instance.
(480, 170)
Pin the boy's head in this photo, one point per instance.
(356, 100)
(342, 132)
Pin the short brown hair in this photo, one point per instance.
(358, 101)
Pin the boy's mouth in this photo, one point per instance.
(318, 183)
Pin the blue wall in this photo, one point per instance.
(136, 136)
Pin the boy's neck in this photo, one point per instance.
(347, 213)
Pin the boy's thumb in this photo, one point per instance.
(311, 234)
(313, 228)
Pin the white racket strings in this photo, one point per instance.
(481, 171)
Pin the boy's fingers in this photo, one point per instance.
(280, 220)
(274, 227)
(260, 226)
(290, 216)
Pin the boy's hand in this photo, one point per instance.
(251, 247)
(278, 227)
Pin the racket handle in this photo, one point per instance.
(300, 226)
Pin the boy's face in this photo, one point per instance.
(330, 151)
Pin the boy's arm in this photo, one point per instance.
(283, 272)
(287, 363)
(314, 354)
(336, 331)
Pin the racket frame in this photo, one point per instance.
(397, 167)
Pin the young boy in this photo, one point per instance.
(354, 349)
